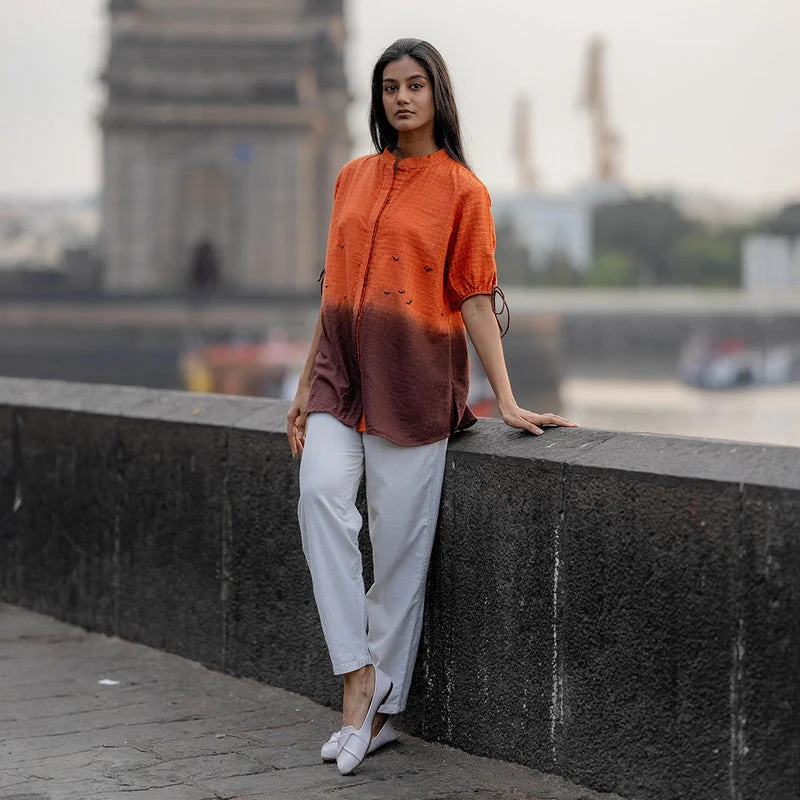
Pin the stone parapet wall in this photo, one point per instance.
(620, 609)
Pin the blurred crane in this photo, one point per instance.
(527, 178)
(606, 141)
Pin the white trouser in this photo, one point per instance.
(404, 485)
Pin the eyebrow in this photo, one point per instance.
(410, 77)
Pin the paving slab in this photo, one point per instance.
(90, 717)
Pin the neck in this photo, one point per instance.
(414, 144)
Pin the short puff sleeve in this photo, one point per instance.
(471, 265)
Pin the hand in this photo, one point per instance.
(296, 421)
(517, 417)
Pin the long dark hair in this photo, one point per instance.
(446, 128)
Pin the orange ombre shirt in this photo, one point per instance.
(409, 241)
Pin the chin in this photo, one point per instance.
(405, 124)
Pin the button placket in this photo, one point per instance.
(368, 265)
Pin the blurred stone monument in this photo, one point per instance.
(223, 132)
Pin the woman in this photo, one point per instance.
(410, 265)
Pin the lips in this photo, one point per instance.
(403, 112)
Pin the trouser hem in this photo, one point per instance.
(341, 667)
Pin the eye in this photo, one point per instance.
(416, 86)
(389, 88)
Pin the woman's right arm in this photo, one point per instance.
(298, 413)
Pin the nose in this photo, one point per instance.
(402, 97)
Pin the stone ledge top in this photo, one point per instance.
(149, 404)
(713, 460)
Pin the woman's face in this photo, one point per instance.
(408, 96)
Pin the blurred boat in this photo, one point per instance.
(732, 363)
(257, 369)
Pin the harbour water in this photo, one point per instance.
(768, 415)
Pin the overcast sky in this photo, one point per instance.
(704, 93)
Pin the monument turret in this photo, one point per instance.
(223, 132)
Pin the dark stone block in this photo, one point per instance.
(9, 520)
(67, 487)
(102, 399)
(14, 390)
(490, 437)
(108, 400)
(273, 631)
(483, 677)
(765, 681)
(687, 458)
(171, 532)
(268, 417)
(205, 409)
(620, 609)
(53, 395)
(645, 634)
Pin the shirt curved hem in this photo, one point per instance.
(373, 431)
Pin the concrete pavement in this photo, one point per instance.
(86, 716)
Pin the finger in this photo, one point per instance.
(528, 425)
(555, 419)
(299, 440)
(300, 433)
(534, 420)
(296, 419)
(550, 419)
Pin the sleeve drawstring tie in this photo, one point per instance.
(501, 310)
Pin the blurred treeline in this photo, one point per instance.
(646, 241)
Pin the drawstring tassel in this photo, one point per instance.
(501, 311)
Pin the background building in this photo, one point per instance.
(549, 227)
(223, 134)
(770, 262)
(556, 230)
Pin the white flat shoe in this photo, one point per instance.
(354, 743)
(384, 736)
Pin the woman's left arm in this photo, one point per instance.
(481, 325)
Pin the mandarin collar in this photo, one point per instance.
(414, 162)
